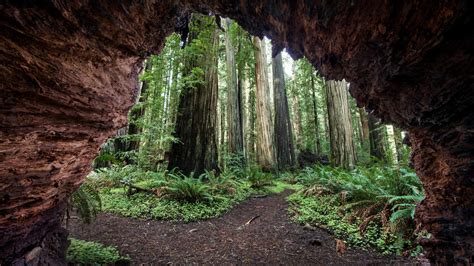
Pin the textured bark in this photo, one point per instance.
(196, 126)
(340, 125)
(447, 211)
(264, 128)
(234, 97)
(285, 151)
(69, 76)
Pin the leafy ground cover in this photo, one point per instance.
(367, 207)
(173, 196)
(91, 253)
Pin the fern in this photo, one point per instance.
(406, 213)
(187, 189)
(86, 202)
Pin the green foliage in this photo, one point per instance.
(86, 202)
(147, 206)
(257, 178)
(91, 253)
(405, 207)
(187, 189)
(105, 159)
(370, 206)
(177, 198)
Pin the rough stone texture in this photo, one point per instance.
(69, 74)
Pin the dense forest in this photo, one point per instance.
(222, 117)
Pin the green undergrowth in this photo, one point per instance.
(82, 252)
(368, 207)
(175, 197)
(147, 206)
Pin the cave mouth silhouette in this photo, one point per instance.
(69, 76)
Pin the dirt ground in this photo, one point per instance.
(270, 238)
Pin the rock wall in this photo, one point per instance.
(69, 75)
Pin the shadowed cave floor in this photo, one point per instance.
(272, 238)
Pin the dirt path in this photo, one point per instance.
(269, 239)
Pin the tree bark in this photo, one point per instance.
(298, 129)
(365, 124)
(234, 96)
(377, 149)
(340, 125)
(264, 152)
(392, 144)
(252, 118)
(285, 151)
(137, 113)
(315, 112)
(196, 150)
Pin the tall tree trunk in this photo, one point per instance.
(285, 150)
(137, 113)
(376, 138)
(392, 144)
(234, 96)
(298, 129)
(196, 150)
(265, 152)
(252, 118)
(399, 144)
(340, 125)
(315, 112)
(364, 124)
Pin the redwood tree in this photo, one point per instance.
(285, 151)
(195, 128)
(234, 96)
(340, 125)
(265, 152)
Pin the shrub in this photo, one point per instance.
(187, 189)
(91, 253)
(257, 178)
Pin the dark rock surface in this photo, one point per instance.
(69, 75)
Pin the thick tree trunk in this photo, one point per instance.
(234, 96)
(196, 150)
(340, 125)
(377, 149)
(285, 150)
(265, 152)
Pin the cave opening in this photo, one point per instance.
(69, 75)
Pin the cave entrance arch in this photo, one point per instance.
(69, 73)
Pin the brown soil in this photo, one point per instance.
(271, 238)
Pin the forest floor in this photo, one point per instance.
(258, 231)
